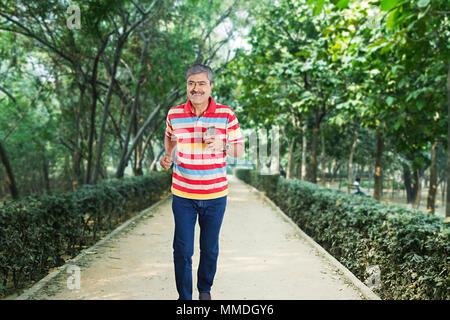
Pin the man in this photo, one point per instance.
(199, 182)
(356, 185)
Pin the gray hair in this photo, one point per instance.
(200, 68)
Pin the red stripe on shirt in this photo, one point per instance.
(202, 166)
(199, 182)
(198, 129)
(188, 190)
(202, 156)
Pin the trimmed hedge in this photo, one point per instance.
(37, 233)
(410, 247)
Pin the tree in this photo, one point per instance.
(109, 83)
(9, 173)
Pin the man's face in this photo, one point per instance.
(198, 88)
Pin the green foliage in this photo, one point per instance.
(387, 5)
(54, 82)
(36, 233)
(410, 247)
(381, 65)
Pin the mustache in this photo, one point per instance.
(194, 92)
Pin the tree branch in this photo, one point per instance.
(8, 94)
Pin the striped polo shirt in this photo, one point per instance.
(199, 173)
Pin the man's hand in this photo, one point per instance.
(166, 162)
(214, 144)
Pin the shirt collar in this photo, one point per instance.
(211, 108)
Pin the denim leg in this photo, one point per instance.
(210, 220)
(185, 215)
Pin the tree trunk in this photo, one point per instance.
(444, 189)
(350, 159)
(137, 151)
(417, 189)
(408, 184)
(447, 207)
(335, 171)
(155, 160)
(314, 147)
(378, 179)
(304, 148)
(361, 171)
(289, 169)
(132, 121)
(122, 39)
(330, 172)
(9, 173)
(45, 170)
(87, 177)
(3, 190)
(147, 144)
(393, 186)
(323, 166)
(93, 83)
(433, 178)
(151, 154)
(76, 149)
(99, 150)
(173, 96)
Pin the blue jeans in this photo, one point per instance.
(210, 215)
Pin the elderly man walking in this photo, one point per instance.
(200, 133)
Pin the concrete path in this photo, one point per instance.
(262, 256)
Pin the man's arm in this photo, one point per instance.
(234, 143)
(236, 150)
(169, 146)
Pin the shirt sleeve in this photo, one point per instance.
(169, 129)
(233, 130)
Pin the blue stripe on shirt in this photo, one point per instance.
(202, 119)
(200, 172)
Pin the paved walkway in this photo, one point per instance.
(262, 256)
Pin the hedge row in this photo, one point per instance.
(38, 232)
(410, 248)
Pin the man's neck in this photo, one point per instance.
(199, 109)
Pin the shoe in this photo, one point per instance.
(204, 296)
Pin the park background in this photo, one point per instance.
(357, 88)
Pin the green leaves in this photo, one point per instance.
(390, 24)
(387, 5)
(318, 7)
(380, 43)
(390, 101)
(342, 4)
(423, 3)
